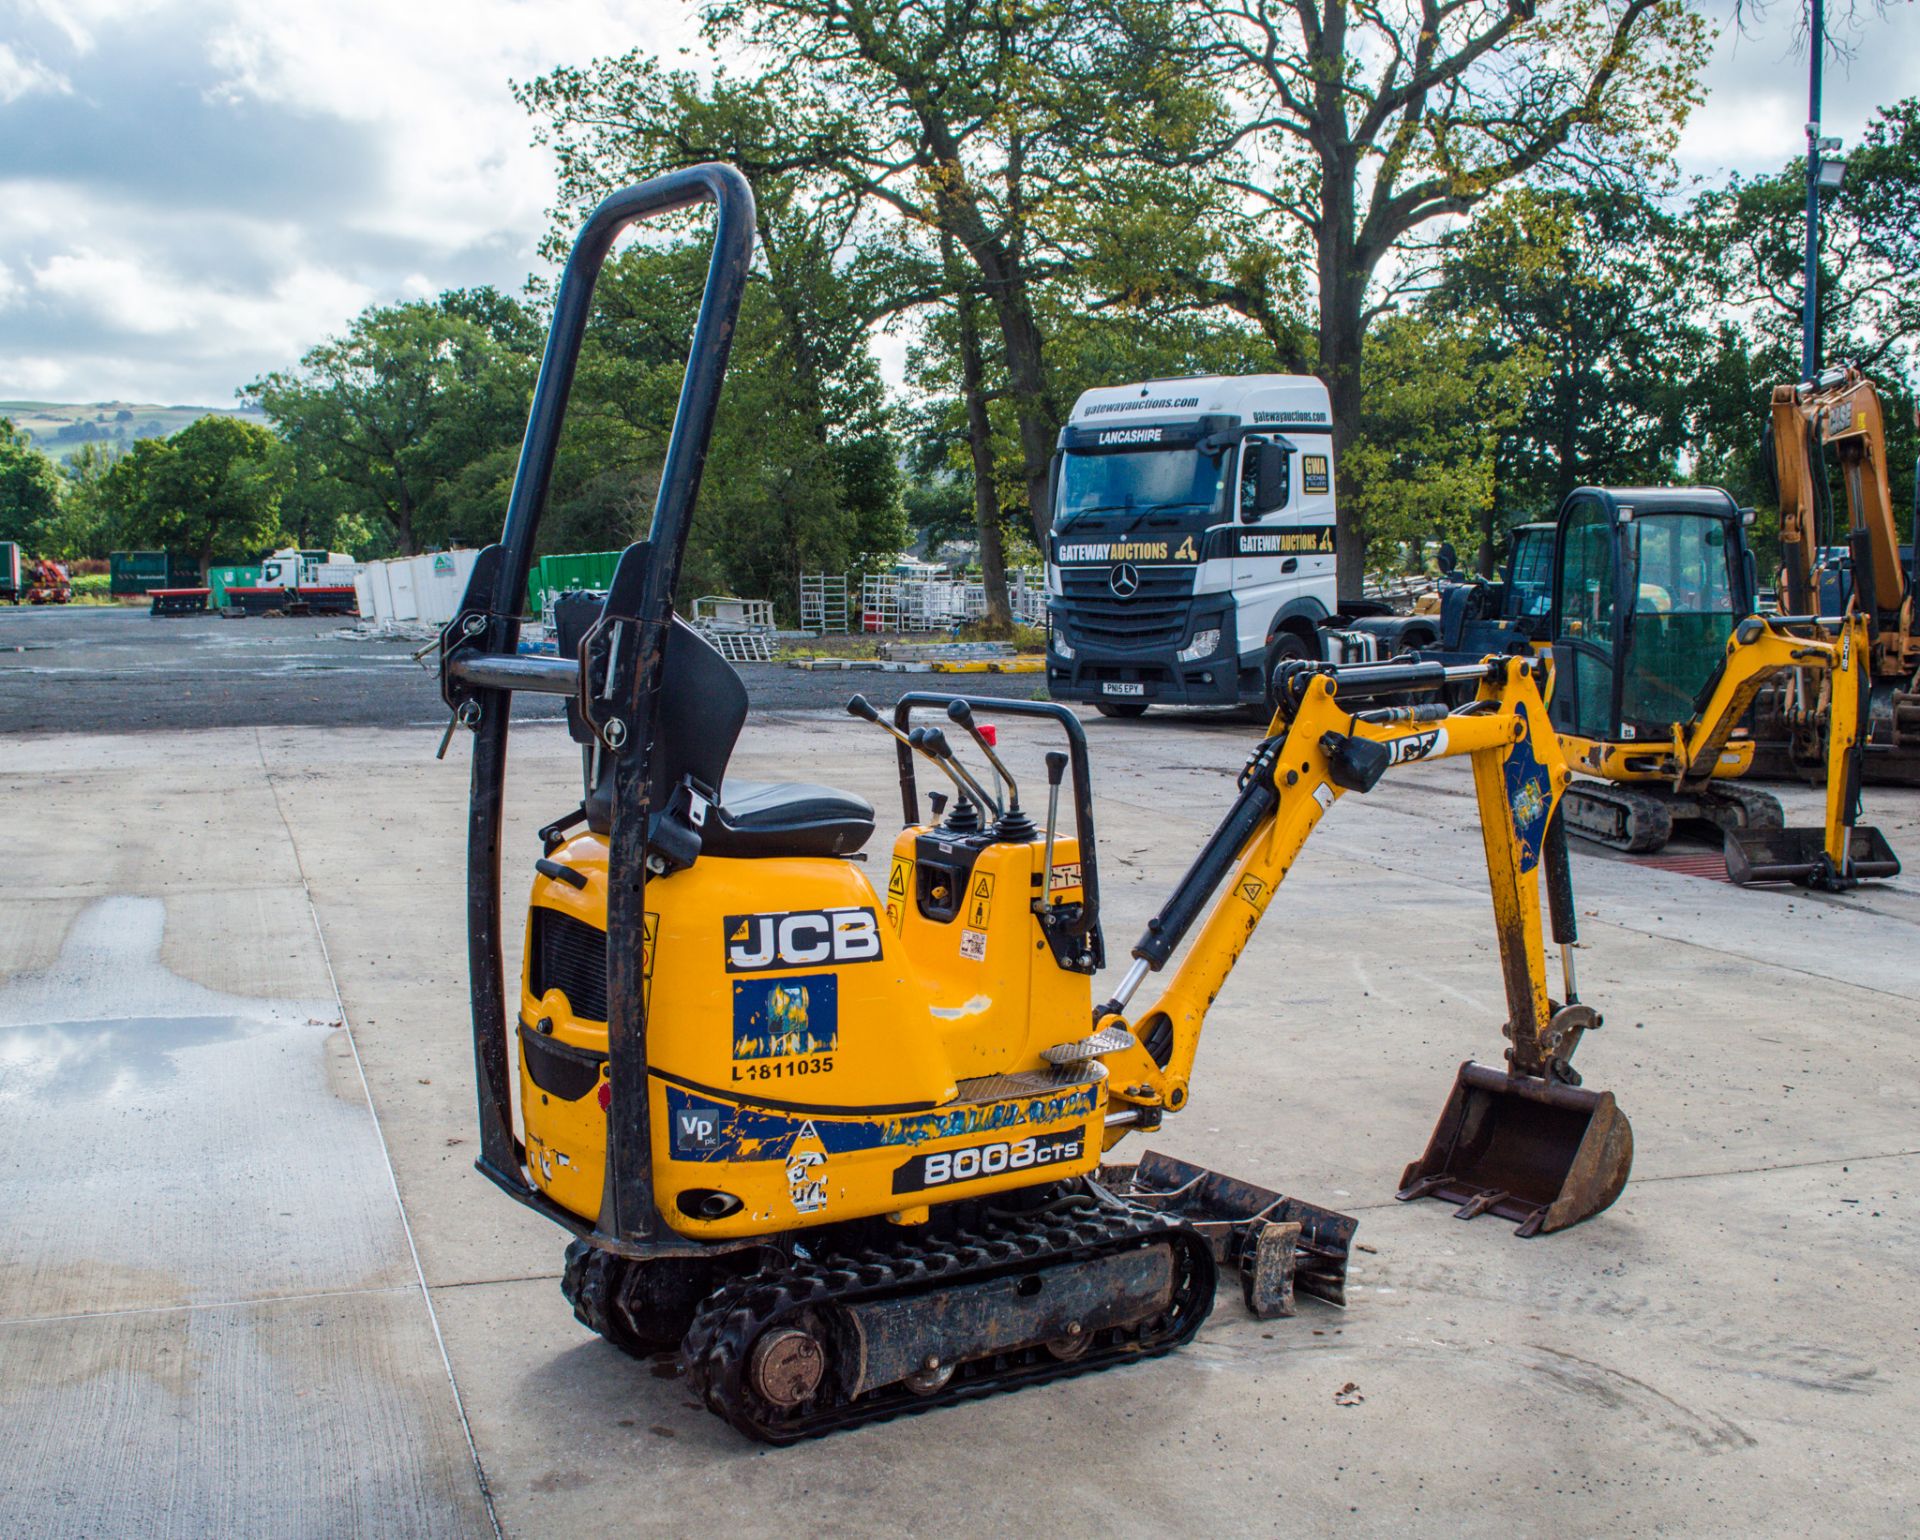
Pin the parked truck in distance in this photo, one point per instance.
(1192, 548)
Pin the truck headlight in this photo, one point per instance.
(1204, 645)
(1061, 647)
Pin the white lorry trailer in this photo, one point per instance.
(1192, 547)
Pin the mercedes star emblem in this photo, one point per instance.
(1124, 580)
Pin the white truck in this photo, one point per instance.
(294, 568)
(1192, 546)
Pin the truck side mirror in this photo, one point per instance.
(1266, 479)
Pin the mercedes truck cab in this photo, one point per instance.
(1192, 545)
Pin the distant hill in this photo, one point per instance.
(58, 428)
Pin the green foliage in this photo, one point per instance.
(397, 414)
(1438, 400)
(213, 489)
(30, 491)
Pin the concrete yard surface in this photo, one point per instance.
(250, 1282)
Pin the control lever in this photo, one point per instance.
(959, 711)
(934, 742)
(1056, 769)
(864, 709)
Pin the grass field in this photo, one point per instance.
(59, 428)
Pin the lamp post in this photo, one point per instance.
(1825, 168)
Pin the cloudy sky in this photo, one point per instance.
(194, 191)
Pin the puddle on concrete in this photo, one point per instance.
(208, 1307)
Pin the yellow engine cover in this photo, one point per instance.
(816, 1052)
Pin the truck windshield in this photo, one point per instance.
(1145, 488)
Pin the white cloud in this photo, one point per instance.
(21, 77)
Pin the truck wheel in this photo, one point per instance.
(1120, 708)
(1283, 648)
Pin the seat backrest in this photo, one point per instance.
(703, 706)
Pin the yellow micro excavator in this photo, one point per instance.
(1658, 656)
(1836, 422)
(839, 1139)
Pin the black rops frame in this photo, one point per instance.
(1703, 502)
(615, 682)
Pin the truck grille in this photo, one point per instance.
(571, 956)
(1155, 615)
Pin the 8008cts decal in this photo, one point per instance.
(942, 1167)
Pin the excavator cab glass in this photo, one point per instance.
(1648, 584)
(1583, 631)
(1680, 570)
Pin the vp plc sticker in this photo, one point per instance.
(800, 938)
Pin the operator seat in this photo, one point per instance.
(703, 705)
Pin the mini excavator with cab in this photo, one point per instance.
(1658, 657)
(840, 1142)
(1836, 423)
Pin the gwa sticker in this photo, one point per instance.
(942, 1167)
(800, 938)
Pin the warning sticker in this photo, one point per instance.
(973, 945)
(899, 880)
(1066, 875)
(649, 933)
(980, 902)
(1253, 890)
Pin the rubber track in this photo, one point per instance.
(735, 1315)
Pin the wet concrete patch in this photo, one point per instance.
(210, 1317)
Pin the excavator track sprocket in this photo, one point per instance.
(814, 1345)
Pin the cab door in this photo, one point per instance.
(1586, 619)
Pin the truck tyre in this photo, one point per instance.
(1120, 708)
(1284, 647)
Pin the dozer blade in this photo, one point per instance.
(1800, 855)
(1529, 1150)
(1278, 1245)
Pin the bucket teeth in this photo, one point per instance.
(1112, 1040)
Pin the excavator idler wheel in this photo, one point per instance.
(787, 1367)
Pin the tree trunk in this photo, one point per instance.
(986, 502)
(1343, 287)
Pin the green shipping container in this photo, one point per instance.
(220, 579)
(134, 572)
(557, 574)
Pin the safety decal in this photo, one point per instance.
(806, 1171)
(754, 1133)
(942, 1167)
(1065, 875)
(979, 902)
(1530, 799)
(800, 938)
(1253, 890)
(899, 883)
(649, 933)
(973, 945)
(786, 1018)
(1313, 473)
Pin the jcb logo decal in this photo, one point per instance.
(1404, 751)
(801, 938)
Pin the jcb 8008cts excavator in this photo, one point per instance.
(1658, 655)
(1836, 423)
(839, 1140)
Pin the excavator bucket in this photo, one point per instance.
(1800, 855)
(1543, 1154)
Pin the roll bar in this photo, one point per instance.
(615, 682)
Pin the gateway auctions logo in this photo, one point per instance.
(1114, 552)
